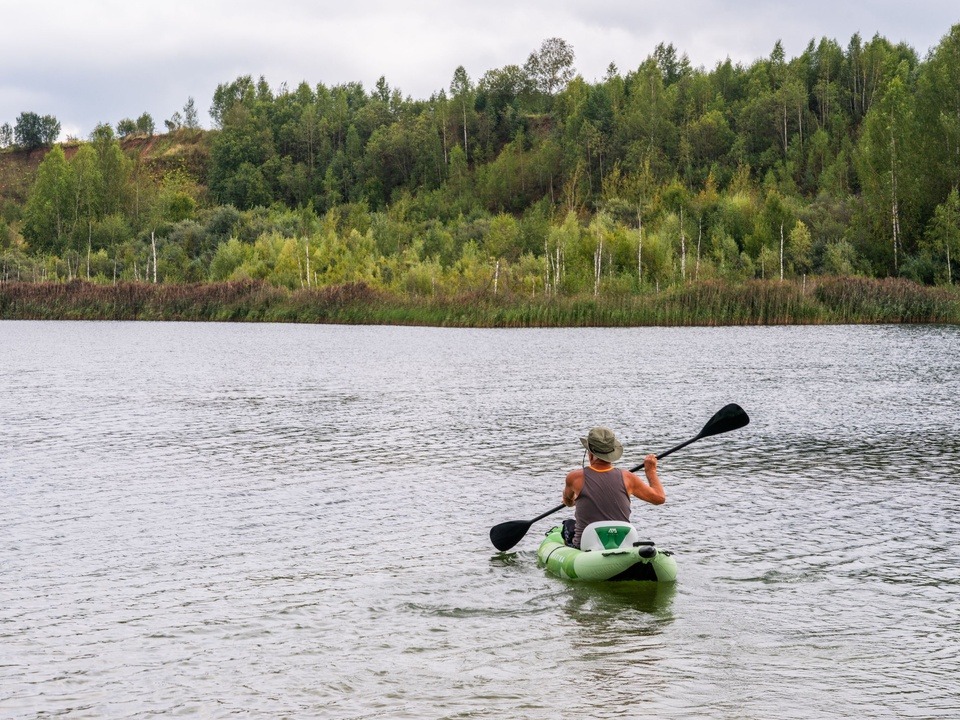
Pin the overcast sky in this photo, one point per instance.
(104, 60)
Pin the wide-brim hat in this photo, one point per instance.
(602, 443)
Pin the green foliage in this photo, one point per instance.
(145, 124)
(126, 127)
(943, 237)
(229, 257)
(532, 180)
(33, 131)
(48, 214)
(551, 67)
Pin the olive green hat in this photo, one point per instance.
(603, 444)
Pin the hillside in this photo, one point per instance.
(184, 149)
(837, 162)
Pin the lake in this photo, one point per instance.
(225, 520)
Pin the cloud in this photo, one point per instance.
(104, 60)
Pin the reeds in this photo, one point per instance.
(891, 300)
(828, 301)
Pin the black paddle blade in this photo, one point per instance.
(730, 417)
(505, 535)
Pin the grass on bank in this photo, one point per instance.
(827, 301)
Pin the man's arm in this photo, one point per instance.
(572, 488)
(650, 491)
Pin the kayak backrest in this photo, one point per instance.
(608, 535)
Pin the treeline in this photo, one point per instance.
(529, 180)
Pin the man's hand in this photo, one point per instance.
(650, 464)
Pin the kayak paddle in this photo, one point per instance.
(730, 417)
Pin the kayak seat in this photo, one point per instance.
(608, 535)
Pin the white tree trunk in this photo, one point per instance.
(696, 275)
(895, 210)
(307, 241)
(639, 248)
(781, 251)
(683, 250)
(597, 263)
(546, 266)
(153, 241)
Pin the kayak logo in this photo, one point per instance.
(613, 536)
(607, 535)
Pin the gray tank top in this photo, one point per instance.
(603, 497)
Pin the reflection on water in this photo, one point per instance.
(292, 521)
(616, 617)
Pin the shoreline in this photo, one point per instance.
(825, 301)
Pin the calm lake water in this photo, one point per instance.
(292, 521)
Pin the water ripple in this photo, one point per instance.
(291, 521)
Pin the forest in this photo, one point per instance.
(528, 181)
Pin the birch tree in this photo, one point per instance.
(87, 182)
(882, 160)
(943, 236)
(462, 92)
(551, 67)
(48, 208)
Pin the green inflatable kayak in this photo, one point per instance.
(610, 551)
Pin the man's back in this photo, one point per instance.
(602, 497)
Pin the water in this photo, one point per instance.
(291, 521)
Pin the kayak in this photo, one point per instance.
(609, 551)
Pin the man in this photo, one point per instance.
(601, 491)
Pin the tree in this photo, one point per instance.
(677, 199)
(6, 135)
(800, 247)
(145, 124)
(126, 127)
(33, 131)
(882, 160)
(245, 139)
(174, 123)
(228, 258)
(600, 229)
(938, 113)
(247, 188)
(113, 168)
(191, 120)
(646, 124)
(502, 237)
(462, 92)
(50, 129)
(672, 68)
(240, 92)
(551, 67)
(772, 226)
(459, 173)
(87, 187)
(48, 208)
(943, 235)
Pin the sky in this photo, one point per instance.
(104, 60)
